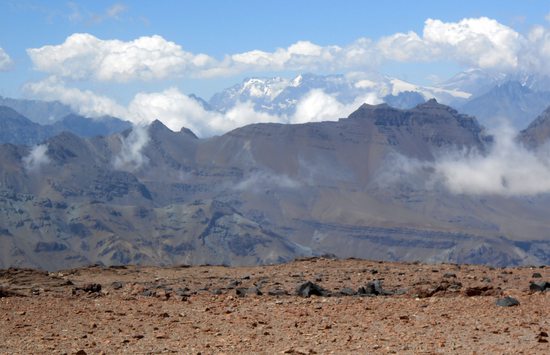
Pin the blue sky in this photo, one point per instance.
(214, 42)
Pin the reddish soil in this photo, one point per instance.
(208, 309)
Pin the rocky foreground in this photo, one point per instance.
(305, 307)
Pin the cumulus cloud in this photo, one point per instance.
(131, 157)
(474, 42)
(507, 169)
(83, 56)
(319, 106)
(6, 63)
(36, 159)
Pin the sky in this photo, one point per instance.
(141, 59)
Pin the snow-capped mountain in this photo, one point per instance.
(281, 95)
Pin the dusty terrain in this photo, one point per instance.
(412, 308)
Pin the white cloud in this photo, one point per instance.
(6, 63)
(130, 158)
(84, 102)
(37, 158)
(83, 56)
(177, 110)
(507, 169)
(318, 106)
(474, 42)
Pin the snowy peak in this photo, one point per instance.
(280, 96)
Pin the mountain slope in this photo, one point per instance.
(42, 112)
(511, 101)
(17, 129)
(260, 194)
(538, 132)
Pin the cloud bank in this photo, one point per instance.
(177, 110)
(6, 63)
(473, 42)
(507, 169)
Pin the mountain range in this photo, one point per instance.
(492, 98)
(263, 193)
(18, 129)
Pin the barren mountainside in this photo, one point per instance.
(263, 193)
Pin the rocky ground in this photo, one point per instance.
(305, 307)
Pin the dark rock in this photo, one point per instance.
(308, 289)
(233, 284)
(540, 286)
(507, 302)
(241, 292)
(116, 285)
(346, 291)
(183, 292)
(5, 292)
(88, 288)
(92, 288)
(148, 293)
(536, 275)
(254, 291)
(449, 275)
(373, 288)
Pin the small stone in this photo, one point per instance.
(233, 284)
(448, 275)
(241, 292)
(507, 302)
(80, 352)
(117, 285)
(92, 288)
(539, 286)
(536, 275)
